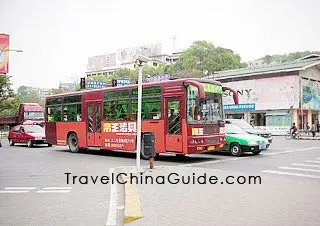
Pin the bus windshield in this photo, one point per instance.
(33, 115)
(208, 110)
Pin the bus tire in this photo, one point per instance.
(73, 143)
(235, 149)
(142, 152)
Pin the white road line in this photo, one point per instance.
(306, 165)
(56, 188)
(318, 158)
(19, 188)
(112, 214)
(301, 169)
(277, 153)
(292, 174)
(3, 192)
(312, 161)
(214, 161)
(53, 191)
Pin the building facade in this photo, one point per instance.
(275, 95)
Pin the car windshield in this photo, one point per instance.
(207, 111)
(33, 129)
(233, 129)
(33, 115)
(242, 123)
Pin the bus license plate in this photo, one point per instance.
(262, 146)
(210, 148)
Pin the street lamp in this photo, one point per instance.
(140, 61)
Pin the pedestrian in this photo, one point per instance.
(313, 129)
(318, 126)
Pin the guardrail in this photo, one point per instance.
(275, 130)
(3, 134)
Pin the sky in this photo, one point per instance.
(57, 37)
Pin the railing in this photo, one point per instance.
(3, 134)
(275, 130)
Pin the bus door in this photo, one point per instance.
(173, 124)
(94, 138)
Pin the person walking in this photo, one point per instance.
(313, 129)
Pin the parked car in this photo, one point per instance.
(27, 134)
(250, 129)
(239, 141)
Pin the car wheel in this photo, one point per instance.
(256, 152)
(11, 143)
(49, 145)
(235, 149)
(29, 143)
(73, 143)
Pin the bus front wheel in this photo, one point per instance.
(73, 142)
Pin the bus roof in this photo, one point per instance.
(162, 83)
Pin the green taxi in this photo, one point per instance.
(238, 141)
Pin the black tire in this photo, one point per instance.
(142, 152)
(49, 145)
(73, 143)
(256, 152)
(235, 149)
(298, 136)
(29, 143)
(11, 143)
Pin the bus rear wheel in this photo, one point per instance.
(143, 152)
(73, 143)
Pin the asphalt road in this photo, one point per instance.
(34, 188)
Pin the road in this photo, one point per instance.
(34, 188)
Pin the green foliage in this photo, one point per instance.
(205, 58)
(282, 58)
(9, 102)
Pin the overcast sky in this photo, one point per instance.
(58, 36)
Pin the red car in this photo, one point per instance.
(27, 134)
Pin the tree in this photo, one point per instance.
(203, 57)
(282, 58)
(9, 102)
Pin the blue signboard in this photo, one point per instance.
(96, 85)
(157, 78)
(239, 107)
(121, 82)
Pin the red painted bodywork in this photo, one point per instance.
(57, 132)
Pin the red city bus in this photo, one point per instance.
(184, 115)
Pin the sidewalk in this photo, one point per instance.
(305, 136)
(269, 203)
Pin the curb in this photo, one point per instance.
(124, 205)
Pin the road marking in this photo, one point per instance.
(3, 192)
(277, 153)
(312, 161)
(318, 158)
(56, 188)
(292, 174)
(214, 161)
(53, 191)
(307, 165)
(301, 169)
(19, 188)
(112, 214)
